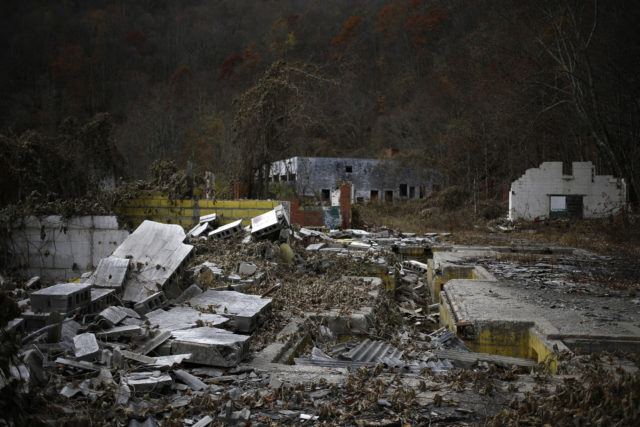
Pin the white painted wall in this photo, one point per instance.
(530, 195)
(61, 249)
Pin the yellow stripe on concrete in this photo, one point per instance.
(156, 207)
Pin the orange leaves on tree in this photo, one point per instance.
(347, 33)
(228, 65)
(419, 23)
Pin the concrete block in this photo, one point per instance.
(157, 253)
(100, 299)
(86, 346)
(62, 298)
(143, 382)
(211, 346)
(111, 273)
(121, 331)
(226, 230)
(246, 269)
(269, 222)
(192, 381)
(246, 312)
(183, 318)
(152, 302)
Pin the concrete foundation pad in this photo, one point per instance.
(211, 346)
(500, 317)
(246, 312)
(183, 318)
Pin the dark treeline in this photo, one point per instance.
(480, 90)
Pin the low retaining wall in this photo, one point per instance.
(59, 249)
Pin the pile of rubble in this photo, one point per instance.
(256, 325)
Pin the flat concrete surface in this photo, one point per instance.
(556, 314)
(110, 273)
(156, 251)
(211, 346)
(245, 311)
(183, 318)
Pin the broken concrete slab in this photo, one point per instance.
(154, 342)
(147, 381)
(86, 346)
(157, 252)
(204, 422)
(114, 314)
(62, 298)
(246, 312)
(211, 346)
(226, 230)
(183, 318)
(111, 273)
(269, 222)
(130, 331)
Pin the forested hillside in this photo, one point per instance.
(480, 90)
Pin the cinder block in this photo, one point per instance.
(150, 303)
(226, 230)
(61, 298)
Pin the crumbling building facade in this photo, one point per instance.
(575, 192)
(371, 179)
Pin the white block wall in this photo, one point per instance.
(61, 249)
(529, 197)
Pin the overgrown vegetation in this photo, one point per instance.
(480, 91)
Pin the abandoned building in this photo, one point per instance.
(371, 179)
(557, 190)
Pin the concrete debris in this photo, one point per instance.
(138, 342)
(227, 230)
(192, 381)
(183, 318)
(62, 298)
(157, 253)
(270, 222)
(207, 222)
(245, 312)
(128, 331)
(144, 382)
(32, 283)
(86, 346)
(152, 302)
(154, 342)
(246, 269)
(111, 273)
(211, 346)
